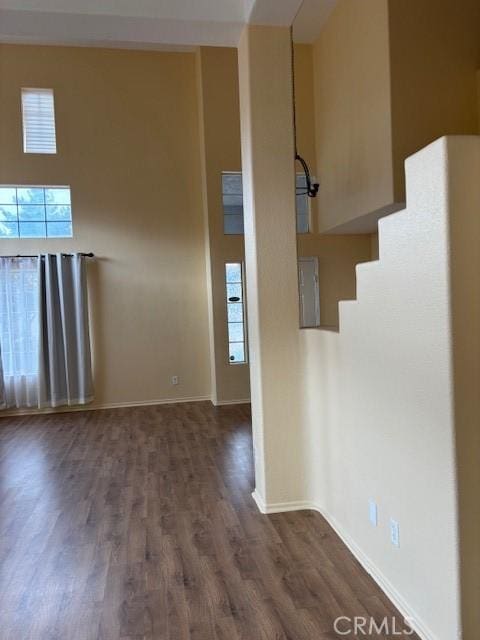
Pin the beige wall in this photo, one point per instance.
(465, 310)
(128, 146)
(337, 255)
(217, 70)
(374, 246)
(390, 77)
(352, 108)
(305, 117)
(385, 397)
(478, 96)
(139, 165)
(305, 103)
(434, 57)
(270, 257)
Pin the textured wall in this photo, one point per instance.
(383, 403)
(465, 309)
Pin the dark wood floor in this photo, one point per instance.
(138, 524)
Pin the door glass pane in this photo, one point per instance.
(237, 352)
(234, 293)
(234, 272)
(235, 312)
(235, 331)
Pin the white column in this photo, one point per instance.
(266, 115)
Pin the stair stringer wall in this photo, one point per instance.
(379, 398)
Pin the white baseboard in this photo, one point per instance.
(222, 403)
(420, 627)
(279, 507)
(151, 403)
(100, 406)
(116, 405)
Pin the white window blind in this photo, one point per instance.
(38, 115)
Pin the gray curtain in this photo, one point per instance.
(65, 370)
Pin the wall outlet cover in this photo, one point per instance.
(373, 513)
(394, 533)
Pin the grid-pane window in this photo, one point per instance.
(38, 118)
(232, 198)
(35, 212)
(237, 339)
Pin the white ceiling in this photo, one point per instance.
(158, 24)
(191, 10)
(310, 19)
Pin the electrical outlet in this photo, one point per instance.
(394, 533)
(174, 379)
(372, 513)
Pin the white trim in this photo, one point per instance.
(279, 507)
(313, 259)
(117, 405)
(99, 407)
(407, 611)
(221, 403)
(100, 30)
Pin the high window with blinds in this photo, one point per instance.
(38, 118)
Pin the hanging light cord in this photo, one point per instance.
(294, 101)
(311, 187)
